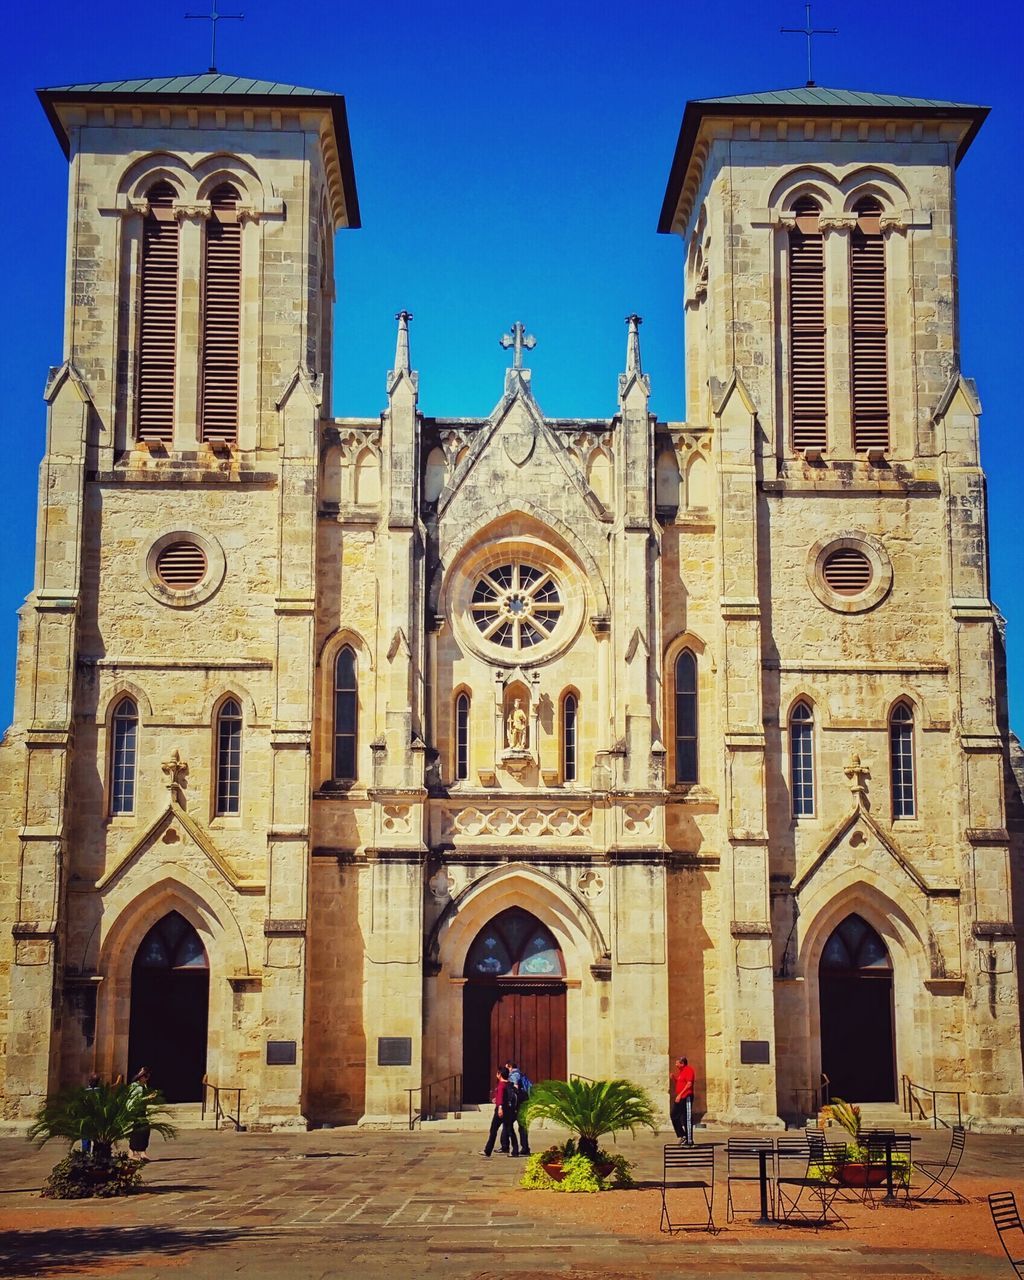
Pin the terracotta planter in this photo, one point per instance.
(557, 1173)
(857, 1174)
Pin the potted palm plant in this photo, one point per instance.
(857, 1170)
(589, 1109)
(98, 1117)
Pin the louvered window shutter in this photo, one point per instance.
(222, 311)
(158, 322)
(868, 340)
(808, 404)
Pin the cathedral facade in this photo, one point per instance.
(352, 757)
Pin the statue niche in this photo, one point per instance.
(516, 720)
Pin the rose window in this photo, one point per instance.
(516, 605)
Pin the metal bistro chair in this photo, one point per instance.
(744, 1166)
(688, 1169)
(1003, 1205)
(875, 1141)
(825, 1163)
(940, 1173)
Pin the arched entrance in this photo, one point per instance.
(169, 1009)
(513, 1003)
(855, 994)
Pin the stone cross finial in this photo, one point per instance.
(809, 32)
(213, 18)
(175, 771)
(858, 775)
(518, 338)
(402, 346)
(633, 344)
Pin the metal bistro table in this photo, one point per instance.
(766, 1219)
(890, 1196)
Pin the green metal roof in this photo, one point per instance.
(813, 95)
(209, 82)
(808, 101)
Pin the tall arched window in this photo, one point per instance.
(901, 757)
(570, 725)
(222, 316)
(868, 329)
(124, 742)
(158, 316)
(462, 737)
(346, 715)
(686, 717)
(228, 784)
(807, 385)
(801, 757)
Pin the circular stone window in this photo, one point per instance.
(850, 573)
(183, 568)
(516, 606)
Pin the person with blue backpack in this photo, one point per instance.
(522, 1084)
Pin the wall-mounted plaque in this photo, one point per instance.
(280, 1053)
(754, 1053)
(394, 1051)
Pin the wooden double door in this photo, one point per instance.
(510, 1021)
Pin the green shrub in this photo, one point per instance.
(80, 1177)
(580, 1171)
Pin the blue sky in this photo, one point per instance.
(511, 161)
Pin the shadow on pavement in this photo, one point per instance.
(65, 1251)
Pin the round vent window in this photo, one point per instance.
(181, 566)
(847, 571)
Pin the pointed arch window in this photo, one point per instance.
(462, 737)
(901, 757)
(124, 742)
(801, 758)
(868, 329)
(346, 715)
(222, 316)
(158, 316)
(807, 334)
(228, 786)
(570, 736)
(686, 717)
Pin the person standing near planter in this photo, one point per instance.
(505, 1101)
(683, 1079)
(138, 1140)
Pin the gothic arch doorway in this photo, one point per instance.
(169, 1009)
(855, 996)
(513, 1003)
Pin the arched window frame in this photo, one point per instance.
(801, 760)
(221, 323)
(157, 340)
(229, 728)
(808, 333)
(345, 743)
(124, 750)
(902, 763)
(686, 723)
(570, 735)
(462, 739)
(869, 328)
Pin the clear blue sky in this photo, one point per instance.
(511, 161)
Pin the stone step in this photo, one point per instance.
(880, 1115)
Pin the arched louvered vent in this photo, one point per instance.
(847, 571)
(808, 402)
(222, 311)
(181, 566)
(868, 336)
(158, 321)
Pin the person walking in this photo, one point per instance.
(138, 1139)
(505, 1108)
(522, 1084)
(682, 1101)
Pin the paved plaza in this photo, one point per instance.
(348, 1203)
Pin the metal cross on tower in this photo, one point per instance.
(810, 32)
(213, 18)
(518, 338)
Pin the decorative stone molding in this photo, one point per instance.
(396, 819)
(590, 884)
(842, 222)
(183, 209)
(993, 929)
(508, 822)
(638, 819)
(601, 971)
(283, 928)
(750, 929)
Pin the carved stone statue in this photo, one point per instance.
(516, 726)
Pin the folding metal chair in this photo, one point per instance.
(877, 1141)
(819, 1178)
(688, 1169)
(1003, 1206)
(744, 1166)
(939, 1174)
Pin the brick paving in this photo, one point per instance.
(347, 1203)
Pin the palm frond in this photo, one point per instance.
(591, 1108)
(104, 1115)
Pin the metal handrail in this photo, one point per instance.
(817, 1094)
(575, 1075)
(219, 1111)
(452, 1083)
(910, 1092)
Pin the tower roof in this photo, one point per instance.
(806, 102)
(206, 87)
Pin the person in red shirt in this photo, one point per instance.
(683, 1078)
(505, 1101)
